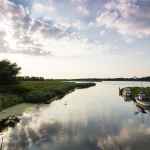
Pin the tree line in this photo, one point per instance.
(9, 74)
(33, 78)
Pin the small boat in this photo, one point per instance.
(126, 92)
(142, 99)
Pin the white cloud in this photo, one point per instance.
(91, 24)
(78, 24)
(127, 17)
(38, 10)
(110, 5)
(107, 19)
(102, 32)
(82, 10)
(20, 33)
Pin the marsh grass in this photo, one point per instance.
(37, 92)
(137, 90)
(7, 100)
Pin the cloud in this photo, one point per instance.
(39, 10)
(91, 24)
(82, 10)
(49, 129)
(130, 18)
(102, 32)
(127, 134)
(19, 33)
(79, 1)
(78, 25)
(107, 19)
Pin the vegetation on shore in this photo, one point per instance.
(13, 91)
(36, 92)
(137, 90)
(9, 72)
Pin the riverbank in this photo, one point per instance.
(37, 92)
(136, 91)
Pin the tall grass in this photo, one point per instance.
(37, 91)
(7, 100)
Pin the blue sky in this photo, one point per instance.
(76, 38)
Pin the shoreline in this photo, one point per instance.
(37, 92)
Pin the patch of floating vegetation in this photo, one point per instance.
(18, 110)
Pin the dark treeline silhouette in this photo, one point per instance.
(144, 78)
(106, 79)
(88, 79)
(126, 79)
(33, 78)
(8, 73)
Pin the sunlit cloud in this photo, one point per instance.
(22, 34)
(128, 17)
(57, 29)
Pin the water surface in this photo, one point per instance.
(95, 118)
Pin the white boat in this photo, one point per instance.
(141, 99)
(126, 92)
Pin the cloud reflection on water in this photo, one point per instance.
(90, 120)
(37, 132)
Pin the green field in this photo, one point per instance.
(36, 92)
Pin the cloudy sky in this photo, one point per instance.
(76, 38)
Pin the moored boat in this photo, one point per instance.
(142, 99)
(126, 92)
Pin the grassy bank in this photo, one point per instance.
(36, 92)
(137, 90)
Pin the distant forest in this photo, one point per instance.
(108, 79)
(127, 79)
(33, 78)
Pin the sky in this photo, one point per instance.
(65, 39)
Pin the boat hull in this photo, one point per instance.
(126, 94)
(144, 103)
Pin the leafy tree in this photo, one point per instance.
(9, 72)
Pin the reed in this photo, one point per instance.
(37, 91)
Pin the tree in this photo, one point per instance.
(9, 72)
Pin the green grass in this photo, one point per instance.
(7, 100)
(37, 91)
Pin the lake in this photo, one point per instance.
(95, 118)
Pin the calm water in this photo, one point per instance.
(96, 118)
